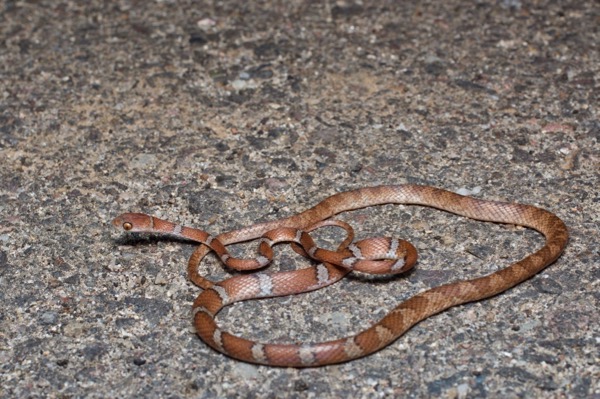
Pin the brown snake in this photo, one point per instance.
(377, 255)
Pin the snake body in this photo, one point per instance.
(378, 255)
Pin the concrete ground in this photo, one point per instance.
(218, 114)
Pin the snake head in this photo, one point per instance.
(134, 222)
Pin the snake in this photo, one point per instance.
(378, 255)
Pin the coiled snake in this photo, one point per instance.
(375, 255)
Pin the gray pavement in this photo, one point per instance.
(222, 114)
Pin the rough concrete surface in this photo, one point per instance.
(218, 114)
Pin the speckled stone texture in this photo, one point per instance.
(221, 114)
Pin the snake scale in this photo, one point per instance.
(375, 255)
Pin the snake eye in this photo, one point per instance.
(127, 226)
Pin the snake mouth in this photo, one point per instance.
(118, 222)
